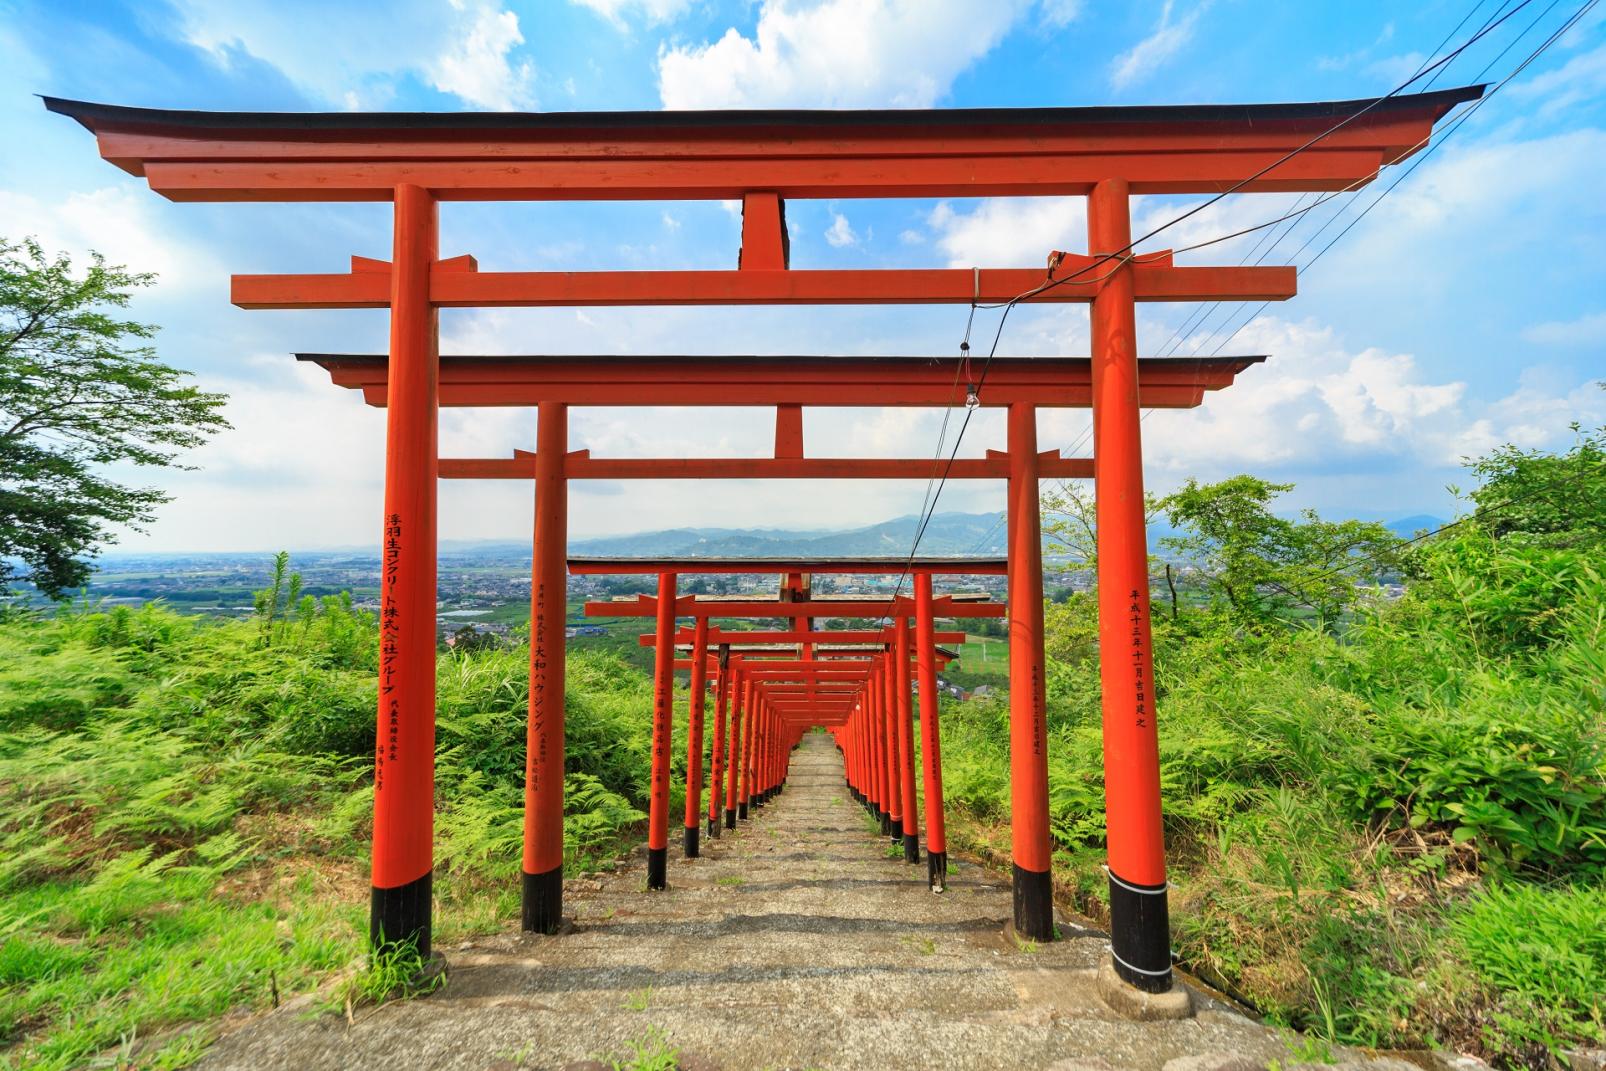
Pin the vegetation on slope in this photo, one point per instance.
(1387, 819)
(1386, 826)
(185, 810)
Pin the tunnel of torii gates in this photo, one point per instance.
(762, 158)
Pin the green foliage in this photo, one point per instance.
(1557, 501)
(170, 787)
(1368, 802)
(79, 390)
(1543, 950)
(1257, 565)
(394, 971)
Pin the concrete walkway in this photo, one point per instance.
(796, 942)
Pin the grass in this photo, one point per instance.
(649, 1053)
(185, 810)
(1393, 836)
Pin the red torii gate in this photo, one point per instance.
(416, 160)
(824, 681)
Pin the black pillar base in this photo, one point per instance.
(886, 824)
(543, 901)
(657, 868)
(692, 833)
(741, 809)
(400, 916)
(937, 870)
(730, 818)
(1140, 934)
(1034, 904)
(911, 848)
(713, 829)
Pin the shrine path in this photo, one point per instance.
(796, 942)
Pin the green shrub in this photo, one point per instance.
(1541, 951)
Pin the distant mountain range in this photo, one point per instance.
(948, 534)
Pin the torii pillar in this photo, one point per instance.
(404, 755)
(1139, 927)
(544, 757)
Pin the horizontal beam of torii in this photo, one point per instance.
(696, 606)
(825, 638)
(787, 382)
(843, 565)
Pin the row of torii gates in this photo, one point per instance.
(762, 158)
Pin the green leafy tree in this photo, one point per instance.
(80, 389)
(1557, 501)
(1260, 566)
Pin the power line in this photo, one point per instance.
(1125, 255)
(1421, 158)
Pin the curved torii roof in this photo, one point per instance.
(329, 156)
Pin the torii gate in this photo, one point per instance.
(828, 679)
(416, 160)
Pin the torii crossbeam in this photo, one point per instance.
(415, 161)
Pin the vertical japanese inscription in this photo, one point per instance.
(1137, 615)
(389, 743)
(538, 711)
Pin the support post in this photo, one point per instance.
(906, 740)
(716, 757)
(404, 755)
(744, 789)
(1028, 744)
(740, 690)
(889, 715)
(1139, 924)
(930, 737)
(663, 710)
(544, 741)
(694, 735)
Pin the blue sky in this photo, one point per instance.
(1466, 310)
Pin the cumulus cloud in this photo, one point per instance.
(353, 60)
(1318, 404)
(838, 54)
(1170, 37)
(476, 67)
(1009, 232)
(840, 233)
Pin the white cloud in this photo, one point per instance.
(1316, 404)
(1058, 14)
(476, 66)
(349, 59)
(652, 11)
(1009, 232)
(838, 54)
(1155, 50)
(1588, 330)
(122, 223)
(1579, 80)
(840, 233)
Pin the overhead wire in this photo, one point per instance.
(1126, 254)
(1422, 157)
